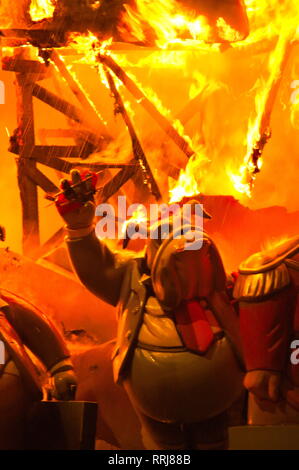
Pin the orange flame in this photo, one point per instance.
(42, 9)
(189, 180)
(173, 26)
(265, 99)
(138, 217)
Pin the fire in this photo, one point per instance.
(93, 49)
(42, 9)
(172, 24)
(139, 217)
(189, 180)
(259, 129)
(175, 26)
(90, 47)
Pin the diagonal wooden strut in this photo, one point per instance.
(138, 151)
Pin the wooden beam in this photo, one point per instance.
(71, 111)
(66, 167)
(58, 151)
(148, 105)
(138, 151)
(53, 242)
(116, 183)
(28, 189)
(41, 180)
(62, 151)
(61, 105)
(63, 134)
(14, 64)
(87, 104)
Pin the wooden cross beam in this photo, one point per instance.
(71, 111)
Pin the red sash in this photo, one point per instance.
(193, 326)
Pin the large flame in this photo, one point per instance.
(189, 182)
(258, 130)
(276, 24)
(168, 21)
(42, 9)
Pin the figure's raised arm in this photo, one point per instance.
(99, 268)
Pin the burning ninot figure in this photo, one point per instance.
(267, 289)
(177, 345)
(22, 325)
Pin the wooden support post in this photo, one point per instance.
(28, 189)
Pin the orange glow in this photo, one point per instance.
(42, 9)
(244, 179)
(295, 103)
(174, 26)
(138, 217)
(189, 182)
(89, 46)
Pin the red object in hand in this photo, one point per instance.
(77, 194)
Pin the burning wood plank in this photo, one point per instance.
(112, 187)
(138, 151)
(259, 132)
(81, 96)
(72, 112)
(148, 105)
(13, 64)
(66, 166)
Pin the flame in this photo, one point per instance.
(138, 217)
(258, 130)
(172, 24)
(175, 26)
(42, 9)
(188, 183)
(90, 47)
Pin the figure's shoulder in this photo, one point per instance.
(265, 272)
(269, 259)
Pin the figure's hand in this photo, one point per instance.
(65, 384)
(76, 203)
(264, 384)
